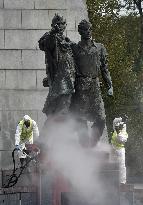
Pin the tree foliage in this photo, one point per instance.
(133, 5)
(120, 35)
(136, 7)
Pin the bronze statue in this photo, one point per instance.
(60, 68)
(81, 96)
(87, 103)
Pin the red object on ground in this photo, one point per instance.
(60, 185)
(32, 147)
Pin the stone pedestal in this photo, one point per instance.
(63, 192)
(24, 192)
(131, 194)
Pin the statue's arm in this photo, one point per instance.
(42, 42)
(50, 66)
(45, 44)
(104, 69)
(74, 48)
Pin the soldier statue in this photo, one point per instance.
(60, 68)
(87, 104)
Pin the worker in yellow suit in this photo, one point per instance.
(25, 130)
(119, 138)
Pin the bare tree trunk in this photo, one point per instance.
(139, 59)
(141, 44)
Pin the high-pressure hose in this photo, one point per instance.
(14, 177)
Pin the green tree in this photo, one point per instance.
(136, 7)
(120, 35)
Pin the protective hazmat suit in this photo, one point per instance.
(119, 138)
(25, 130)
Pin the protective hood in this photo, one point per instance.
(26, 117)
(117, 122)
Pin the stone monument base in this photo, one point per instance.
(60, 191)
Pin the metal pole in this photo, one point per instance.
(39, 185)
(20, 198)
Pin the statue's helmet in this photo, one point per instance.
(84, 25)
(58, 20)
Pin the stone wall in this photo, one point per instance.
(22, 68)
(131, 194)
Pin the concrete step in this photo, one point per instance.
(19, 189)
(131, 188)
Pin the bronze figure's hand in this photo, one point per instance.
(110, 92)
(45, 82)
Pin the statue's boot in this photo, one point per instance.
(82, 130)
(96, 132)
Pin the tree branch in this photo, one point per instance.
(139, 6)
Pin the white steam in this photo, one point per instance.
(79, 166)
